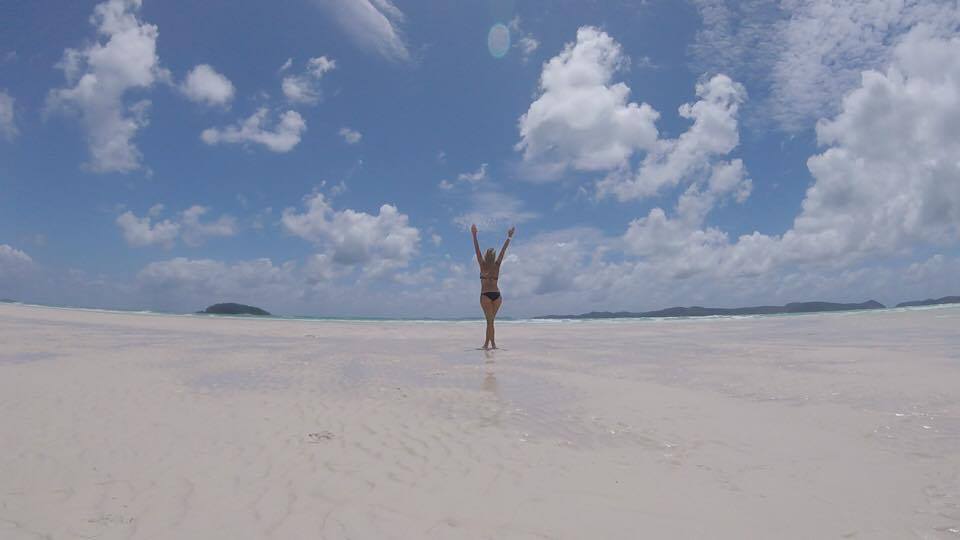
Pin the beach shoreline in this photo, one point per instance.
(128, 425)
(550, 319)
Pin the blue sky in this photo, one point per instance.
(327, 156)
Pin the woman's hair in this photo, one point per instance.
(490, 256)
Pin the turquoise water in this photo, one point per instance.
(507, 320)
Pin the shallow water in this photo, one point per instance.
(800, 426)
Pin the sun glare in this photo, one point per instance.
(498, 40)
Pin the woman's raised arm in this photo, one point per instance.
(506, 243)
(476, 244)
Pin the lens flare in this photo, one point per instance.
(498, 40)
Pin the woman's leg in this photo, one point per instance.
(488, 312)
(495, 308)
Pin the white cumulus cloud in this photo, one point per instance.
(283, 136)
(890, 175)
(182, 283)
(350, 136)
(187, 225)
(99, 79)
(474, 177)
(141, 232)
(713, 133)
(531, 266)
(18, 274)
(524, 41)
(195, 232)
(582, 119)
(351, 238)
(304, 88)
(527, 45)
(205, 85)
(885, 184)
(13, 260)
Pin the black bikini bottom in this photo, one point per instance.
(492, 295)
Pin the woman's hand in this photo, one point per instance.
(510, 232)
(473, 228)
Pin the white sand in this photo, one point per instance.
(145, 426)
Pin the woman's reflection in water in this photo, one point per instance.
(490, 383)
(491, 410)
(490, 377)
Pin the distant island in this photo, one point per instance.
(7, 301)
(931, 302)
(697, 311)
(230, 308)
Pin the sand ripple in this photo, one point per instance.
(136, 426)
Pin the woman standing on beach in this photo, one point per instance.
(490, 298)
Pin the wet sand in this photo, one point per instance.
(146, 426)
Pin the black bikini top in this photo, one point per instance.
(489, 277)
